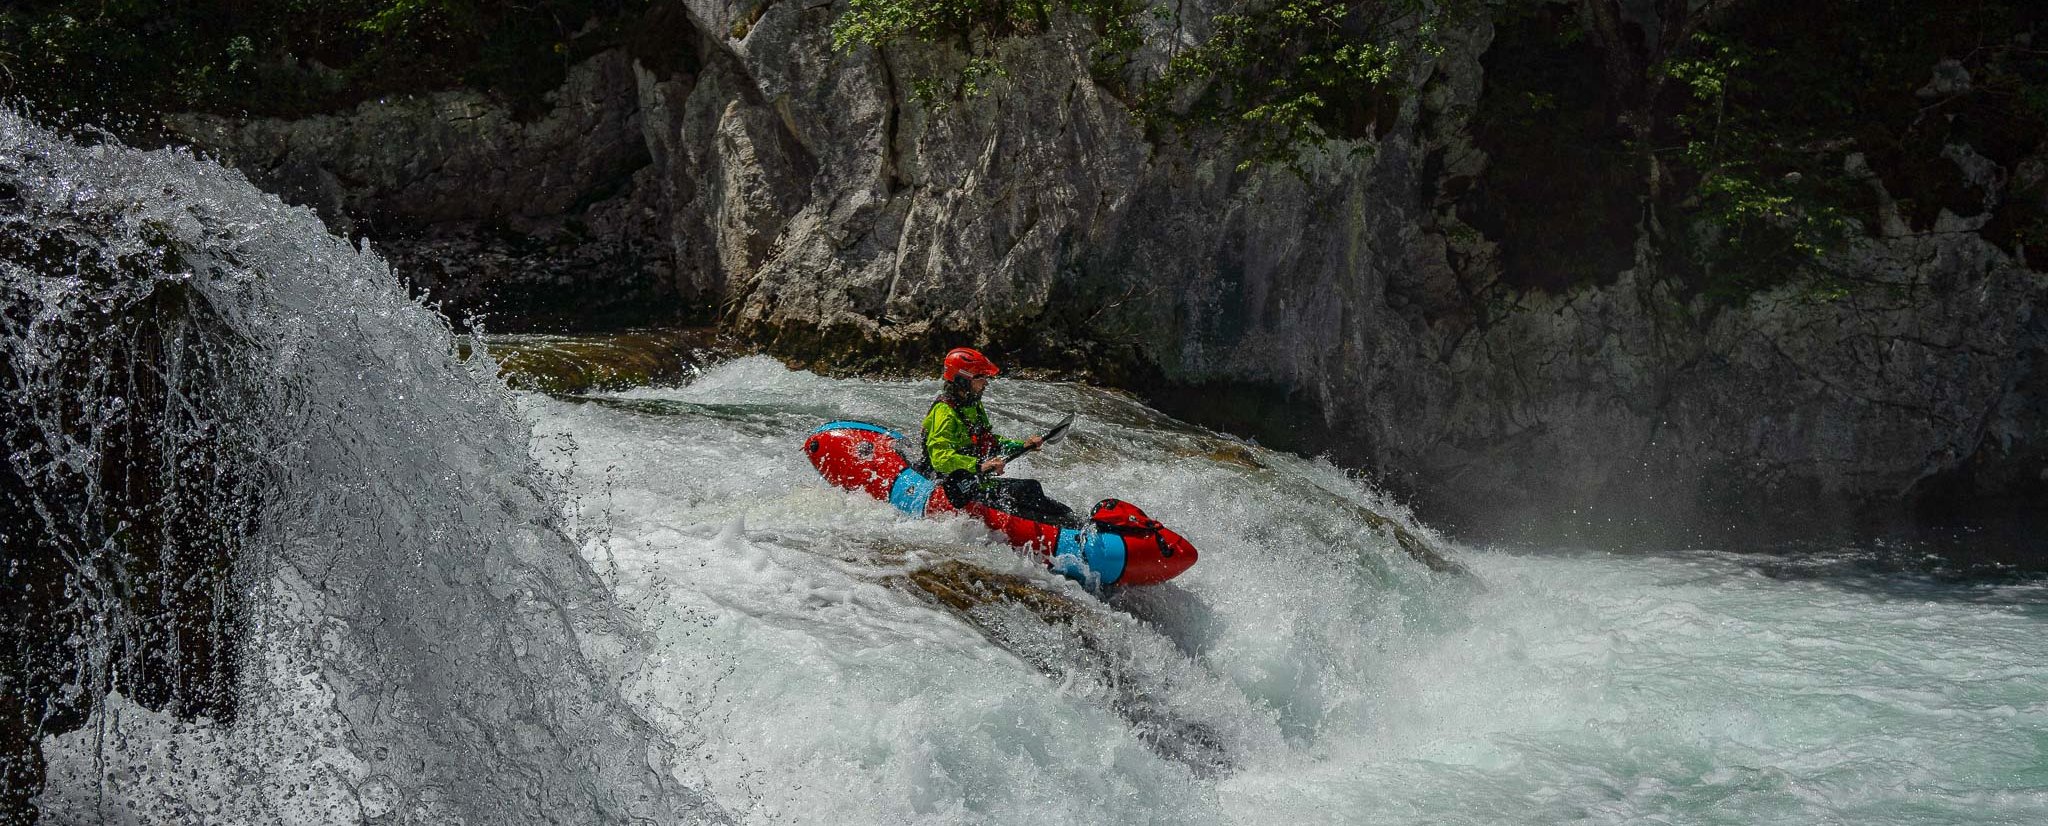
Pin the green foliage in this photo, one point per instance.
(1290, 75)
(977, 25)
(1769, 232)
(1759, 142)
(1769, 104)
(1281, 76)
(972, 81)
(96, 60)
(878, 22)
(1773, 215)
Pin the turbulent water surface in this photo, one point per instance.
(1344, 682)
(470, 605)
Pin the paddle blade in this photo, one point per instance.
(1055, 433)
(1060, 429)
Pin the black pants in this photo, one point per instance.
(1023, 497)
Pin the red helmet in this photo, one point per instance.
(970, 361)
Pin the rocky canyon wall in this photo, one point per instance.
(1363, 307)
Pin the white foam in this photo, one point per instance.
(1349, 684)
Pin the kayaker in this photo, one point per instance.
(966, 455)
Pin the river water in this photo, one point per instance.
(1349, 684)
(468, 604)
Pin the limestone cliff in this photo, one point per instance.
(1365, 308)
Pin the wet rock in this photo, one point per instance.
(1625, 405)
(120, 514)
(613, 361)
(542, 223)
(1069, 640)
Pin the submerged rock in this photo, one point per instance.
(614, 361)
(1070, 640)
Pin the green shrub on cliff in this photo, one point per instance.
(1786, 119)
(975, 25)
(1770, 214)
(1745, 140)
(1279, 76)
(1291, 75)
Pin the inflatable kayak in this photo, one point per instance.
(1119, 545)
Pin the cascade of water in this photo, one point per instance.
(273, 553)
(286, 555)
(840, 662)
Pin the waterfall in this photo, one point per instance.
(277, 550)
(286, 555)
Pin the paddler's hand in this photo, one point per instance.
(1034, 442)
(993, 464)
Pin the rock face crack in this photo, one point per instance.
(800, 194)
(892, 175)
(1834, 386)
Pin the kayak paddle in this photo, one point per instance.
(1050, 436)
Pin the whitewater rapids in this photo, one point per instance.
(469, 605)
(1346, 682)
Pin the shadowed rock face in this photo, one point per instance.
(634, 199)
(545, 221)
(120, 510)
(1383, 308)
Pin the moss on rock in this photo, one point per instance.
(578, 364)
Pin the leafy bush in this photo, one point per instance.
(1294, 74)
(1772, 101)
(1773, 212)
(1281, 76)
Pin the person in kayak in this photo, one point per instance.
(966, 455)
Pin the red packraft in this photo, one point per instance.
(1121, 516)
